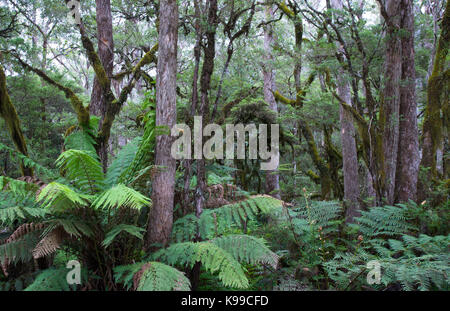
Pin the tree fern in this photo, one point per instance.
(122, 161)
(83, 169)
(247, 249)
(130, 229)
(59, 197)
(121, 195)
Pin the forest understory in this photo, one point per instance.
(218, 145)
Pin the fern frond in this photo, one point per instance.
(60, 198)
(80, 140)
(214, 222)
(387, 221)
(112, 234)
(73, 227)
(83, 169)
(122, 161)
(50, 243)
(10, 214)
(213, 259)
(151, 276)
(54, 279)
(121, 195)
(247, 249)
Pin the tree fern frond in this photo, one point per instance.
(151, 276)
(50, 243)
(112, 234)
(122, 161)
(73, 227)
(213, 259)
(121, 195)
(10, 214)
(59, 197)
(247, 249)
(83, 169)
(54, 279)
(80, 140)
(214, 222)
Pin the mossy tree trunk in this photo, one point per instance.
(105, 52)
(9, 114)
(438, 84)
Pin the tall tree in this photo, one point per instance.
(390, 109)
(349, 153)
(106, 54)
(408, 144)
(161, 215)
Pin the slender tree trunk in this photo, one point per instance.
(161, 214)
(205, 86)
(408, 149)
(391, 98)
(349, 154)
(272, 177)
(106, 54)
(9, 114)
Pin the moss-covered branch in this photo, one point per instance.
(81, 111)
(9, 114)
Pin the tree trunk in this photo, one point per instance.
(349, 154)
(408, 148)
(161, 215)
(272, 177)
(205, 85)
(106, 54)
(438, 82)
(9, 114)
(390, 109)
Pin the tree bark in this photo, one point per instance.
(161, 215)
(390, 109)
(436, 102)
(349, 154)
(272, 177)
(9, 114)
(408, 148)
(106, 54)
(209, 49)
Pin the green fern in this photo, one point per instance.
(214, 222)
(113, 233)
(122, 161)
(213, 258)
(121, 195)
(151, 276)
(83, 169)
